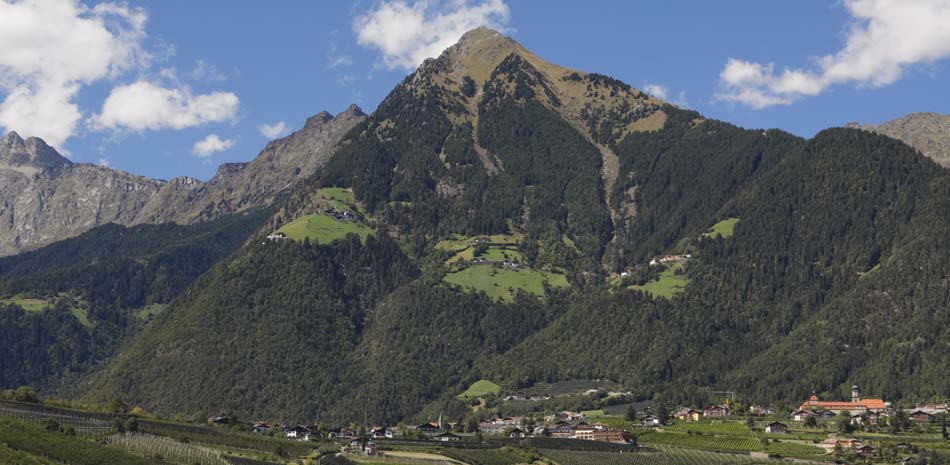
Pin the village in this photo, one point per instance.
(831, 429)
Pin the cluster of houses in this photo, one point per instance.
(571, 425)
(520, 396)
(564, 425)
(854, 445)
(669, 259)
(712, 411)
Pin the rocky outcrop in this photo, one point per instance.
(238, 186)
(45, 198)
(927, 132)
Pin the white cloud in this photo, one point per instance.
(663, 93)
(409, 32)
(885, 38)
(341, 60)
(204, 71)
(49, 49)
(210, 145)
(273, 131)
(144, 106)
(655, 90)
(103, 161)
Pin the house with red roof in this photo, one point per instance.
(856, 406)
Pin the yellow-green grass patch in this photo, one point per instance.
(480, 388)
(341, 198)
(33, 304)
(458, 242)
(668, 285)
(324, 229)
(724, 228)
(502, 283)
(150, 311)
(29, 304)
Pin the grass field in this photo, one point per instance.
(38, 305)
(796, 450)
(324, 229)
(495, 253)
(150, 311)
(502, 283)
(480, 388)
(724, 228)
(27, 303)
(668, 285)
(341, 199)
(458, 242)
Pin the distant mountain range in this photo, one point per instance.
(45, 198)
(502, 218)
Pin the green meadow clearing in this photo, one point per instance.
(494, 253)
(502, 283)
(458, 242)
(724, 228)
(480, 388)
(341, 199)
(324, 229)
(668, 285)
(32, 304)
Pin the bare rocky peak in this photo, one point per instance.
(30, 153)
(45, 198)
(927, 132)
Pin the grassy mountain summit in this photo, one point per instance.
(523, 223)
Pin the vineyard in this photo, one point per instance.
(485, 456)
(701, 441)
(28, 439)
(83, 424)
(157, 446)
(727, 428)
(665, 457)
(224, 438)
(796, 450)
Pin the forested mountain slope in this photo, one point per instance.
(506, 195)
(68, 306)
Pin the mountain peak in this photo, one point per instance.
(12, 138)
(32, 152)
(318, 119)
(352, 110)
(478, 52)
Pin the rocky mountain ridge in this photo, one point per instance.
(45, 198)
(927, 132)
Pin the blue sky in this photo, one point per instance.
(177, 87)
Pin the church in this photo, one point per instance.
(855, 407)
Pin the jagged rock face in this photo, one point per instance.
(45, 198)
(927, 132)
(238, 186)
